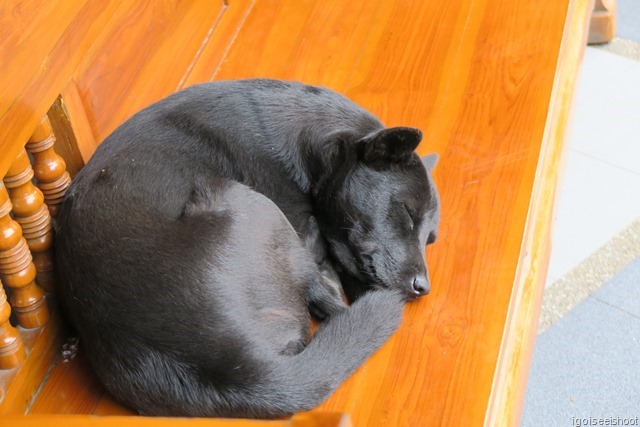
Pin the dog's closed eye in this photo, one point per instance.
(410, 221)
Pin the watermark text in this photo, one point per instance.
(604, 421)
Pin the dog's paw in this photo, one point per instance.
(327, 307)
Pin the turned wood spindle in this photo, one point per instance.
(50, 169)
(17, 270)
(11, 347)
(30, 211)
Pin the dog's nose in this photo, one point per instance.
(420, 285)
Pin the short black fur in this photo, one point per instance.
(205, 230)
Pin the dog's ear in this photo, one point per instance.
(429, 161)
(392, 145)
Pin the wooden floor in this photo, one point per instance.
(488, 82)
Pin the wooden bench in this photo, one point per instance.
(489, 83)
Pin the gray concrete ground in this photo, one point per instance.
(585, 367)
(586, 364)
(628, 20)
(627, 41)
(600, 267)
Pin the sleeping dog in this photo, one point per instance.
(206, 231)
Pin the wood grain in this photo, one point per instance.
(319, 36)
(74, 137)
(221, 35)
(107, 405)
(71, 388)
(149, 39)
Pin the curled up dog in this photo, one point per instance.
(206, 231)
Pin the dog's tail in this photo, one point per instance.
(287, 384)
(339, 347)
(341, 344)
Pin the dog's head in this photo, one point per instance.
(379, 208)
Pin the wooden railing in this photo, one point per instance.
(31, 190)
(26, 238)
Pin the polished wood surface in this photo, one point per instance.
(146, 39)
(81, 395)
(490, 85)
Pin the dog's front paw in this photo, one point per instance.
(326, 299)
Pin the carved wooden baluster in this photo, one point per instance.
(11, 347)
(50, 169)
(602, 27)
(17, 270)
(33, 216)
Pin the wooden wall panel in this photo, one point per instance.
(74, 137)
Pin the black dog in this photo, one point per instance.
(194, 245)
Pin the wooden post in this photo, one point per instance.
(17, 270)
(602, 27)
(11, 347)
(50, 169)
